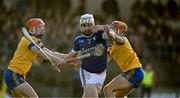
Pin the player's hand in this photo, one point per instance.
(71, 60)
(75, 61)
(55, 66)
(57, 63)
(76, 64)
(107, 28)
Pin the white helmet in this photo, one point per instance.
(86, 18)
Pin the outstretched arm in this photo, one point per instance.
(109, 33)
(57, 54)
(47, 56)
(56, 60)
(72, 58)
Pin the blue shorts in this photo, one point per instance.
(135, 76)
(12, 79)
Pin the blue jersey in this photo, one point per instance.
(93, 64)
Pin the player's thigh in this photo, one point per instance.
(134, 76)
(88, 78)
(12, 81)
(119, 82)
(90, 90)
(26, 90)
(15, 93)
(123, 92)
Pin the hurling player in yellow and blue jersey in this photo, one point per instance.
(122, 53)
(25, 54)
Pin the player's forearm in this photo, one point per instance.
(69, 57)
(119, 40)
(39, 53)
(52, 56)
(59, 55)
(47, 50)
(48, 55)
(114, 37)
(100, 27)
(57, 60)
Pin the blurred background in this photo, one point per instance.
(153, 30)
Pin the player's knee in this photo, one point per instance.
(119, 94)
(107, 88)
(15, 93)
(90, 90)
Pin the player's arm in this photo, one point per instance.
(60, 55)
(52, 57)
(97, 28)
(109, 56)
(57, 54)
(71, 57)
(111, 35)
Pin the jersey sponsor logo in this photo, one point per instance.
(81, 41)
(89, 41)
(94, 38)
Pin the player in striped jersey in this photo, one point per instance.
(24, 55)
(123, 54)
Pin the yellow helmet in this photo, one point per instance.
(119, 27)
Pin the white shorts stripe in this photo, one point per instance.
(83, 77)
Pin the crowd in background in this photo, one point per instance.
(153, 28)
(157, 25)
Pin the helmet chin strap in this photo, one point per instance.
(32, 31)
(119, 33)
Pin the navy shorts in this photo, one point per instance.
(12, 79)
(135, 76)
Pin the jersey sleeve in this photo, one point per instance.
(24, 42)
(76, 46)
(100, 34)
(38, 42)
(30, 45)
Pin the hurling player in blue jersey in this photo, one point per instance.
(93, 68)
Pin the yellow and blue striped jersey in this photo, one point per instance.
(23, 57)
(124, 55)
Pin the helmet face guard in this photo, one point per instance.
(86, 21)
(86, 18)
(118, 27)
